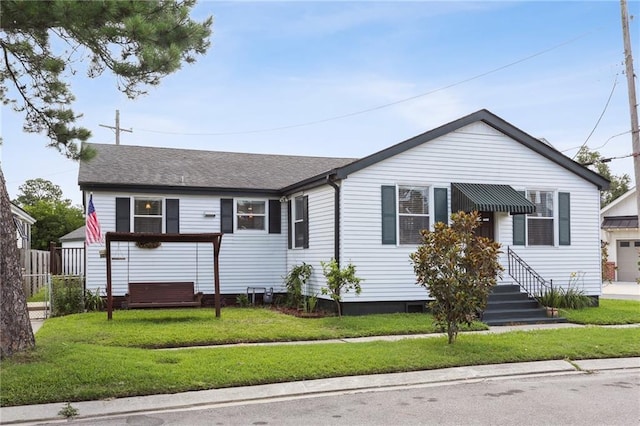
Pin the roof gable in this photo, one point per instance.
(621, 199)
(492, 120)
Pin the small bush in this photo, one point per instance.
(570, 298)
(295, 280)
(339, 280)
(242, 300)
(67, 295)
(93, 301)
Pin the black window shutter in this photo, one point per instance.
(275, 217)
(173, 216)
(123, 214)
(519, 222)
(289, 224)
(226, 215)
(564, 215)
(305, 217)
(440, 205)
(388, 215)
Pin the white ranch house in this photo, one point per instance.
(278, 211)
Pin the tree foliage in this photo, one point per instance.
(339, 281)
(53, 220)
(34, 190)
(42, 44)
(458, 268)
(596, 162)
(140, 42)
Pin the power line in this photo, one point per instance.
(375, 108)
(608, 159)
(601, 146)
(606, 105)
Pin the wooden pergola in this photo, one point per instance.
(213, 238)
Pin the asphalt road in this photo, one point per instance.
(602, 398)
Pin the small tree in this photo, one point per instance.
(339, 280)
(295, 280)
(458, 268)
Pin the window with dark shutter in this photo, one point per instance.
(173, 216)
(275, 217)
(226, 215)
(440, 205)
(564, 219)
(123, 214)
(388, 215)
(301, 222)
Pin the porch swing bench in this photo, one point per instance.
(162, 295)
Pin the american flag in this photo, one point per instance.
(93, 233)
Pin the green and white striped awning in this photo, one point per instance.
(489, 198)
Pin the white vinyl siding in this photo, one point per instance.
(475, 154)
(321, 241)
(246, 259)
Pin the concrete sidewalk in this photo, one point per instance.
(273, 392)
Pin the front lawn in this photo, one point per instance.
(610, 312)
(166, 328)
(85, 357)
(60, 370)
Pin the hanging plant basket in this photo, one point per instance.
(148, 244)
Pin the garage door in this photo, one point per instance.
(628, 260)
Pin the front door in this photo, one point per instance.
(486, 226)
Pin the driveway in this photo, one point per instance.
(621, 290)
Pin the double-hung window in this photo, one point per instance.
(413, 213)
(147, 215)
(250, 215)
(540, 225)
(300, 222)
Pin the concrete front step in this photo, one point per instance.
(511, 304)
(514, 313)
(507, 304)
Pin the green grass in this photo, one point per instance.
(84, 356)
(59, 371)
(609, 312)
(163, 328)
(39, 296)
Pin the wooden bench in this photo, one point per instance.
(162, 295)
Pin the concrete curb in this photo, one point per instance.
(261, 393)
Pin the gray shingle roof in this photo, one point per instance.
(75, 235)
(127, 165)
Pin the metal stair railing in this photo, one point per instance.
(526, 277)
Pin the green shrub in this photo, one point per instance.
(93, 301)
(242, 300)
(295, 280)
(458, 268)
(67, 295)
(570, 298)
(339, 280)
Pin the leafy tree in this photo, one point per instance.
(54, 219)
(39, 189)
(596, 162)
(140, 42)
(458, 268)
(339, 280)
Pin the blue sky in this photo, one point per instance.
(546, 67)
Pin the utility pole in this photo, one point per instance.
(117, 127)
(633, 103)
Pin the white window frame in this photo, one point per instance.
(265, 228)
(294, 213)
(554, 217)
(429, 215)
(147, 198)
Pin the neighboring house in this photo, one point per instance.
(620, 229)
(74, 239)
(278, 211)
(71, 254)
(23, 222)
